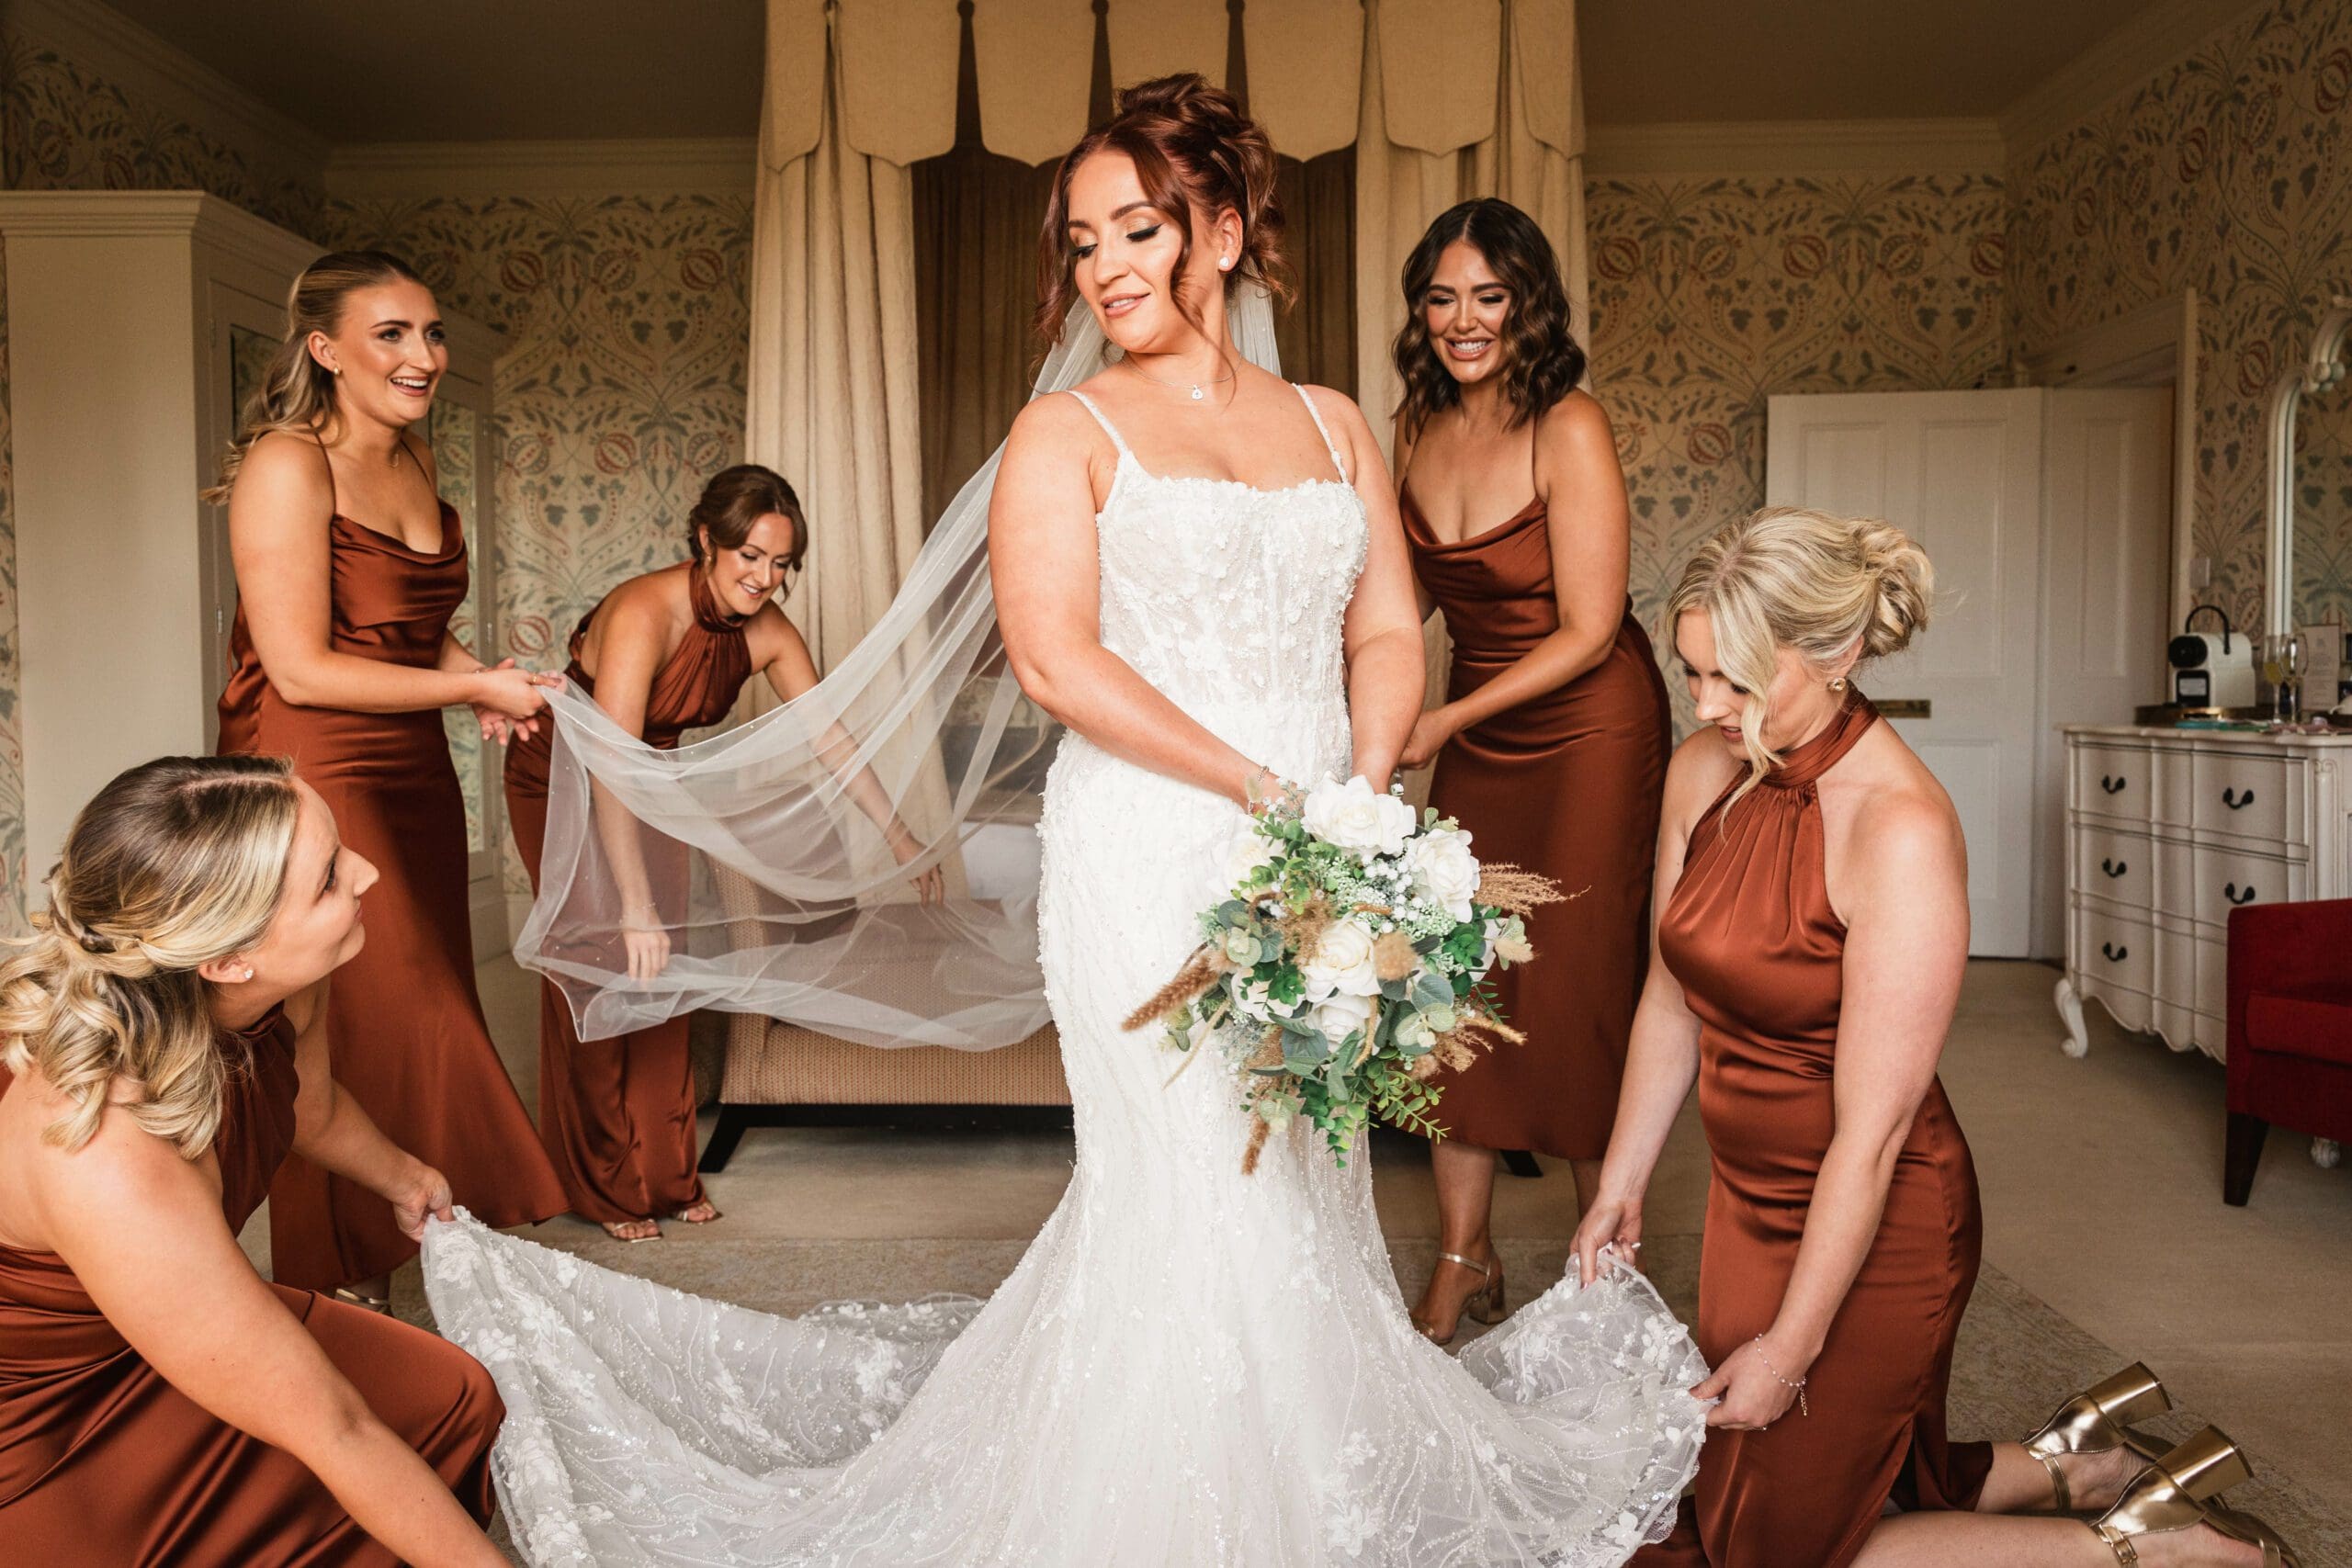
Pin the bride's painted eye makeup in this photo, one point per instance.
(1138, 236)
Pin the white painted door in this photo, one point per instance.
(2107, 548)
(1961, 472)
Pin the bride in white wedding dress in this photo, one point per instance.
(1199, 569)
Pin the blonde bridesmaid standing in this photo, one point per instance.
(1552, 741)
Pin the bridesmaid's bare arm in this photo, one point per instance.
(1387, 673)
(1584, 493)
(1043, 561)
(631, 636)
(278, 537)
(126, 1211)
(334, 1132)
(1904, 896)
(1401, 443)
(1662, 1055)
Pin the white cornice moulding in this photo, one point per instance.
(148, 214)
(1795, 147)
(703, 165)
(110, 43)
(2163, 35)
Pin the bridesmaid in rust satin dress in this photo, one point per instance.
(663, 654)
(349, 567)
(1812, 933)
(1550, 743)
(160, 1405)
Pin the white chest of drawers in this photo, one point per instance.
(2166, 831)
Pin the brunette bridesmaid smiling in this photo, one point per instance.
(1811, 932)
(1552, 741)
(163, 1047)
(349, 566)
(663, 654)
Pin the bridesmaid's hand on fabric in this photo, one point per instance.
(929, 883)
(509, 700)
(647, 940)
(1431, 732)
(1611, 1232)
(426, 1195)
(1747, 1387)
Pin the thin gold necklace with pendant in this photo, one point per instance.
(1197, 389)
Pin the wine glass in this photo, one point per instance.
(2282, 666)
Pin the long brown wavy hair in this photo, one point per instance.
(734, 500)
(1192, 147)
(297, 392)
(1544, 361)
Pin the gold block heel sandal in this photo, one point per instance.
(1484, 1306)
(2177, 1493)
(2094, 1422)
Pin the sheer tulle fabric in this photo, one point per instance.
(788, 901)
(1189, 1367)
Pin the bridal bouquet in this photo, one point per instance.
(1348, 965)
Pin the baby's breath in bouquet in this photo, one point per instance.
(1349, 963)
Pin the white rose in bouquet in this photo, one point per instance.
(1248, 849)
(1445, 870)
(1357, 817)
(1343, 963)
(1340, 1015)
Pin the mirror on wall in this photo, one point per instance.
(2309, 581)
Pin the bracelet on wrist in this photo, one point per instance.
(1797, 1387)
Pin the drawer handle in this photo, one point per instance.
(2230, 891)
(2115, 867)
(2111, 784)
(2236, 800)
(2114, 954)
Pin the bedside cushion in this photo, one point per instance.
(2316, 1025)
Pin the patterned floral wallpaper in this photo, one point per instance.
(2229, 173)
(628, 319)
(1711, 295)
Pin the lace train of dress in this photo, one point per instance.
(1189, 1367)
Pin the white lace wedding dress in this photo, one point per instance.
(1191, 1367)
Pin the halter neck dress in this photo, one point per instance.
(617, 1116)
(1569, 786)
(405, 1020)
(104, 1463)
(1750, 934)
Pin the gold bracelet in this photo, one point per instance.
(1802, 1409)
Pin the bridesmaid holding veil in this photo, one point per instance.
(665, 653)
(1550, 743)
(349, 566)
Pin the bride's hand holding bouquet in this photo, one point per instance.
(1348, 964)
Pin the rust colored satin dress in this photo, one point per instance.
(1751, 934)
(405, 1021)
(1569, 786)
(104, 1464)
(617, 1116)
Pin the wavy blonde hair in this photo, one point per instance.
(297, 392)
(176, 863)
(1806, 580)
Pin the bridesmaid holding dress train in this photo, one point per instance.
(349, 566)
(1551, 744)
(665, 653)
(1812, 930)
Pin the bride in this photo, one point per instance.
(1200, 571)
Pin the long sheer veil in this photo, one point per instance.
(758, 848)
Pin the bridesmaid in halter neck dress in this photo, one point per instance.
(663, 653)
(342, 659)
(1811, 932)
(1552, 741)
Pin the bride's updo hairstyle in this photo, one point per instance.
(1193, 151)
(1816, 584)
(178, 861)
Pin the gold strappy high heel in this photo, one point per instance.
(2093, 1422)
(2177, 1493)
(1485, 1305)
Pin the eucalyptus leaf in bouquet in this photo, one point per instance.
(1349, 963)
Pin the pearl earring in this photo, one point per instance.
(1837, 682)
(1225, 264)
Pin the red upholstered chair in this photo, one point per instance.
(2290, 1029)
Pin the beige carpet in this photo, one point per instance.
(2017, 1356)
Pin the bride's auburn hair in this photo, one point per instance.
(1810, 582)
(1194, 150)
(178, 861)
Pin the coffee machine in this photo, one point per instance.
(2211, 670)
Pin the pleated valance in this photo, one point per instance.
(1441, 88)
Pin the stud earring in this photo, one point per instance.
(1225, 264)
(1837, 682)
